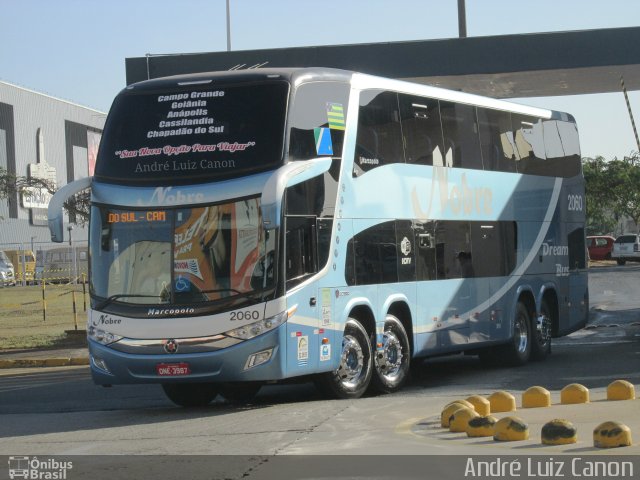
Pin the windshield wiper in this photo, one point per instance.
(221, 290)
(110, 299)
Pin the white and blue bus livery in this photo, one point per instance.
(249, 227)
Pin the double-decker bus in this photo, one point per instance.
(249, 227)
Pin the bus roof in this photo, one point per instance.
(359, 81)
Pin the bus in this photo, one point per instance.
(63, 264)
(249, 227)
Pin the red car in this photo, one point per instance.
(600, 247)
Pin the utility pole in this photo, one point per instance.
(228, 28)
(462, 19)
(633, 124)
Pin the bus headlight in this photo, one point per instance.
(262, 326)
(101, 336)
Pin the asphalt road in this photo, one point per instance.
(59, 411)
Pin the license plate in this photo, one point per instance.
(172, 369)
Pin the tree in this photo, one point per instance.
(599, 201)
(624, 178)
(12, 185)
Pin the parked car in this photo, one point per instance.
(600, 247)
(626, 247)
(7, 273)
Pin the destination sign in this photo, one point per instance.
(137, 216)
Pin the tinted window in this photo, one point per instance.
(494, 248)
(626, 239)
(561, 148)
(372, 256)
(379, 139)
(497, 140)
(192, 134)
(317, 119)
(461, 140)
(529, 140)
(421, 130)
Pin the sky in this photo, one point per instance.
(75, 49)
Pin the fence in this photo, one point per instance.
(54, 262)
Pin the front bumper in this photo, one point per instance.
(225, 365)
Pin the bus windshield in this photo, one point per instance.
(194, 133)
(181, 255)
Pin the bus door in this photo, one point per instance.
(578, 300)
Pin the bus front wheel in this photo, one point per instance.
(393, 358)
(353, 375)
(190, 394)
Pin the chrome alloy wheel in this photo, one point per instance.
(521, 334)
(543, 327)
(351, 369)
(389, 358)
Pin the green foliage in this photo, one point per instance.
(612, 191)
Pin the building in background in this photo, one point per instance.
(46, 137)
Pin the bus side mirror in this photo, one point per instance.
(286, 176)
(55, 214)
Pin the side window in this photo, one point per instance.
(461, 139)
(494, 248)
(373, 256)
(379, 138)
(425, 242)
(497, 140)
(421, 130)
(562, 148)
(529, 139)
(317, 119)
(453, 250)
(309, 210)
(301, 259)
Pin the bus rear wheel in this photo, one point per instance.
(518, 351)
(392, 361)
(191, 394)
(352, 377)
(541, 345)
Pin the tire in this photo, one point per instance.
(353, 375)
(541, 344)
(240, 393)
(190, 394)
(392, 362)
(518, 350)
(620, 261)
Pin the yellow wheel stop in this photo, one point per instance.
(450, 408)
(480, 404)
(459, 420)
(612, 435)
(559, 432)
(621, 390)
(502, 401)
(510, 429)
(574, 393)
(535, 397)
(481, 426)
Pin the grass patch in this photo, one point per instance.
(22, 324)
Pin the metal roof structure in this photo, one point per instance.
(505, 66)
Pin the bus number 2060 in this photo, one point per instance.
(245, 315)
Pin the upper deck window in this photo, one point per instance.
(193, 134)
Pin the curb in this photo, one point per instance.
(44, 362)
